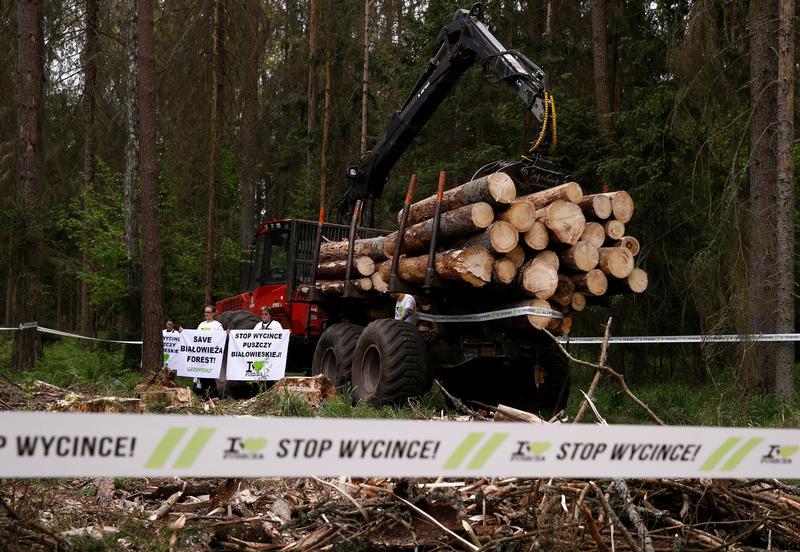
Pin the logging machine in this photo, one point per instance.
(352, 336)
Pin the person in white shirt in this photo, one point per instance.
(206, 387)
(170, 329)
(209, 324)
(406, 308)
(267, 323)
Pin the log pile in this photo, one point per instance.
(556, 248)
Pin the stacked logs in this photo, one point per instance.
(556, 247)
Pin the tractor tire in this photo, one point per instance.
(550, 395)
(236, 320)
(390, 363)
(333, 356)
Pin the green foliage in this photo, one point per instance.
(93, 370)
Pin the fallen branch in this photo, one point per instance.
(429, 517)
(608, 370)
(164, 509)
(357, 504)
(614, 518)
(596, 379)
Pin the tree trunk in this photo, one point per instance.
(602, 89)
(784, 386)
(362, 266)
(495, 189)
(365, 82)
(90, 53)
(593, 282)
(152, 292)
(537, 237)
(615, 261)
(499, 237)
(517, 256)
(503, 270)
(521, 214)
(369, 247)
(311, 120)
(452, 224)
(564, 292)
(132, 315)
(621, 205)
(760, 358)
(25, 257)
(249, 129)
(628, 242)
(217, 80)
(326, 118)
(571, 192)
(596, 207)
(636, 282)
(336, 287)
(582, 256)
(614, 229)
(594, 232)
(564, 220)
(472, 265)
(539, 278)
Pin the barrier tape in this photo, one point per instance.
(730, 338)
(492, 315)
(30, 325)
(42, 444)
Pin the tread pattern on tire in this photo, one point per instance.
(342, 337)
(404, 367)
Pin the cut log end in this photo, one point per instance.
(616, 261)
(537, 237)
(502, 188)
(582, 256)
(621, 205)
(596, 207)
(504, 270)
(521, 214)
(594, 233)
(593, 282)
(517, 256)
(541, 322)
(637, 280)
(564, 220)
(578, 301)
(614, 229)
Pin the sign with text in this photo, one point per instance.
(172, 342)
(47, 444)
(200, 354)
(256, 355)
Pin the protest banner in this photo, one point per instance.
(200, 354)
(257, 355)
(172, 342)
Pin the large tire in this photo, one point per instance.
(333, 356)
(235, 320)
(390, 363)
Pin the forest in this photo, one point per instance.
(142, 143)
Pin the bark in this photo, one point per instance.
(571, 191)
(25, 258)
(537, 237)
(614, 229)
(132, 316)
(336, 287)
(361, 266)
(517, 256)
(593, 282)
(472, 265)
(628, 242)
(582, 256)
(249, 129)
(337, 251)
(784, 386)
(564, 220)
(326, 121)
(217, 80)
(602, 88)
(365, 81)
(615, 261)
(760, 358)
(313, 29)
(90, 53)
(499, 237)
(594, 233)
(452, 224)
(495, 189)
(521, 214)
(564, 291)
(152, 292)
(596, 207)
(503, 270)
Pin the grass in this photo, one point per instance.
(92, 369)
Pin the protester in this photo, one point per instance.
(267, 323)
(206, 387)
(170, 329)
(406, 307)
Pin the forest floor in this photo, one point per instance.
(391, 514)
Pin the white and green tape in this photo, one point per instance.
(41, 444)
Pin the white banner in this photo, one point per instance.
(172, 342)
(255, 355)
(45, 444)
(200, 354)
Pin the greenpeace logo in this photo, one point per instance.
(245, 449)
(779, 454)
(530, 451)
